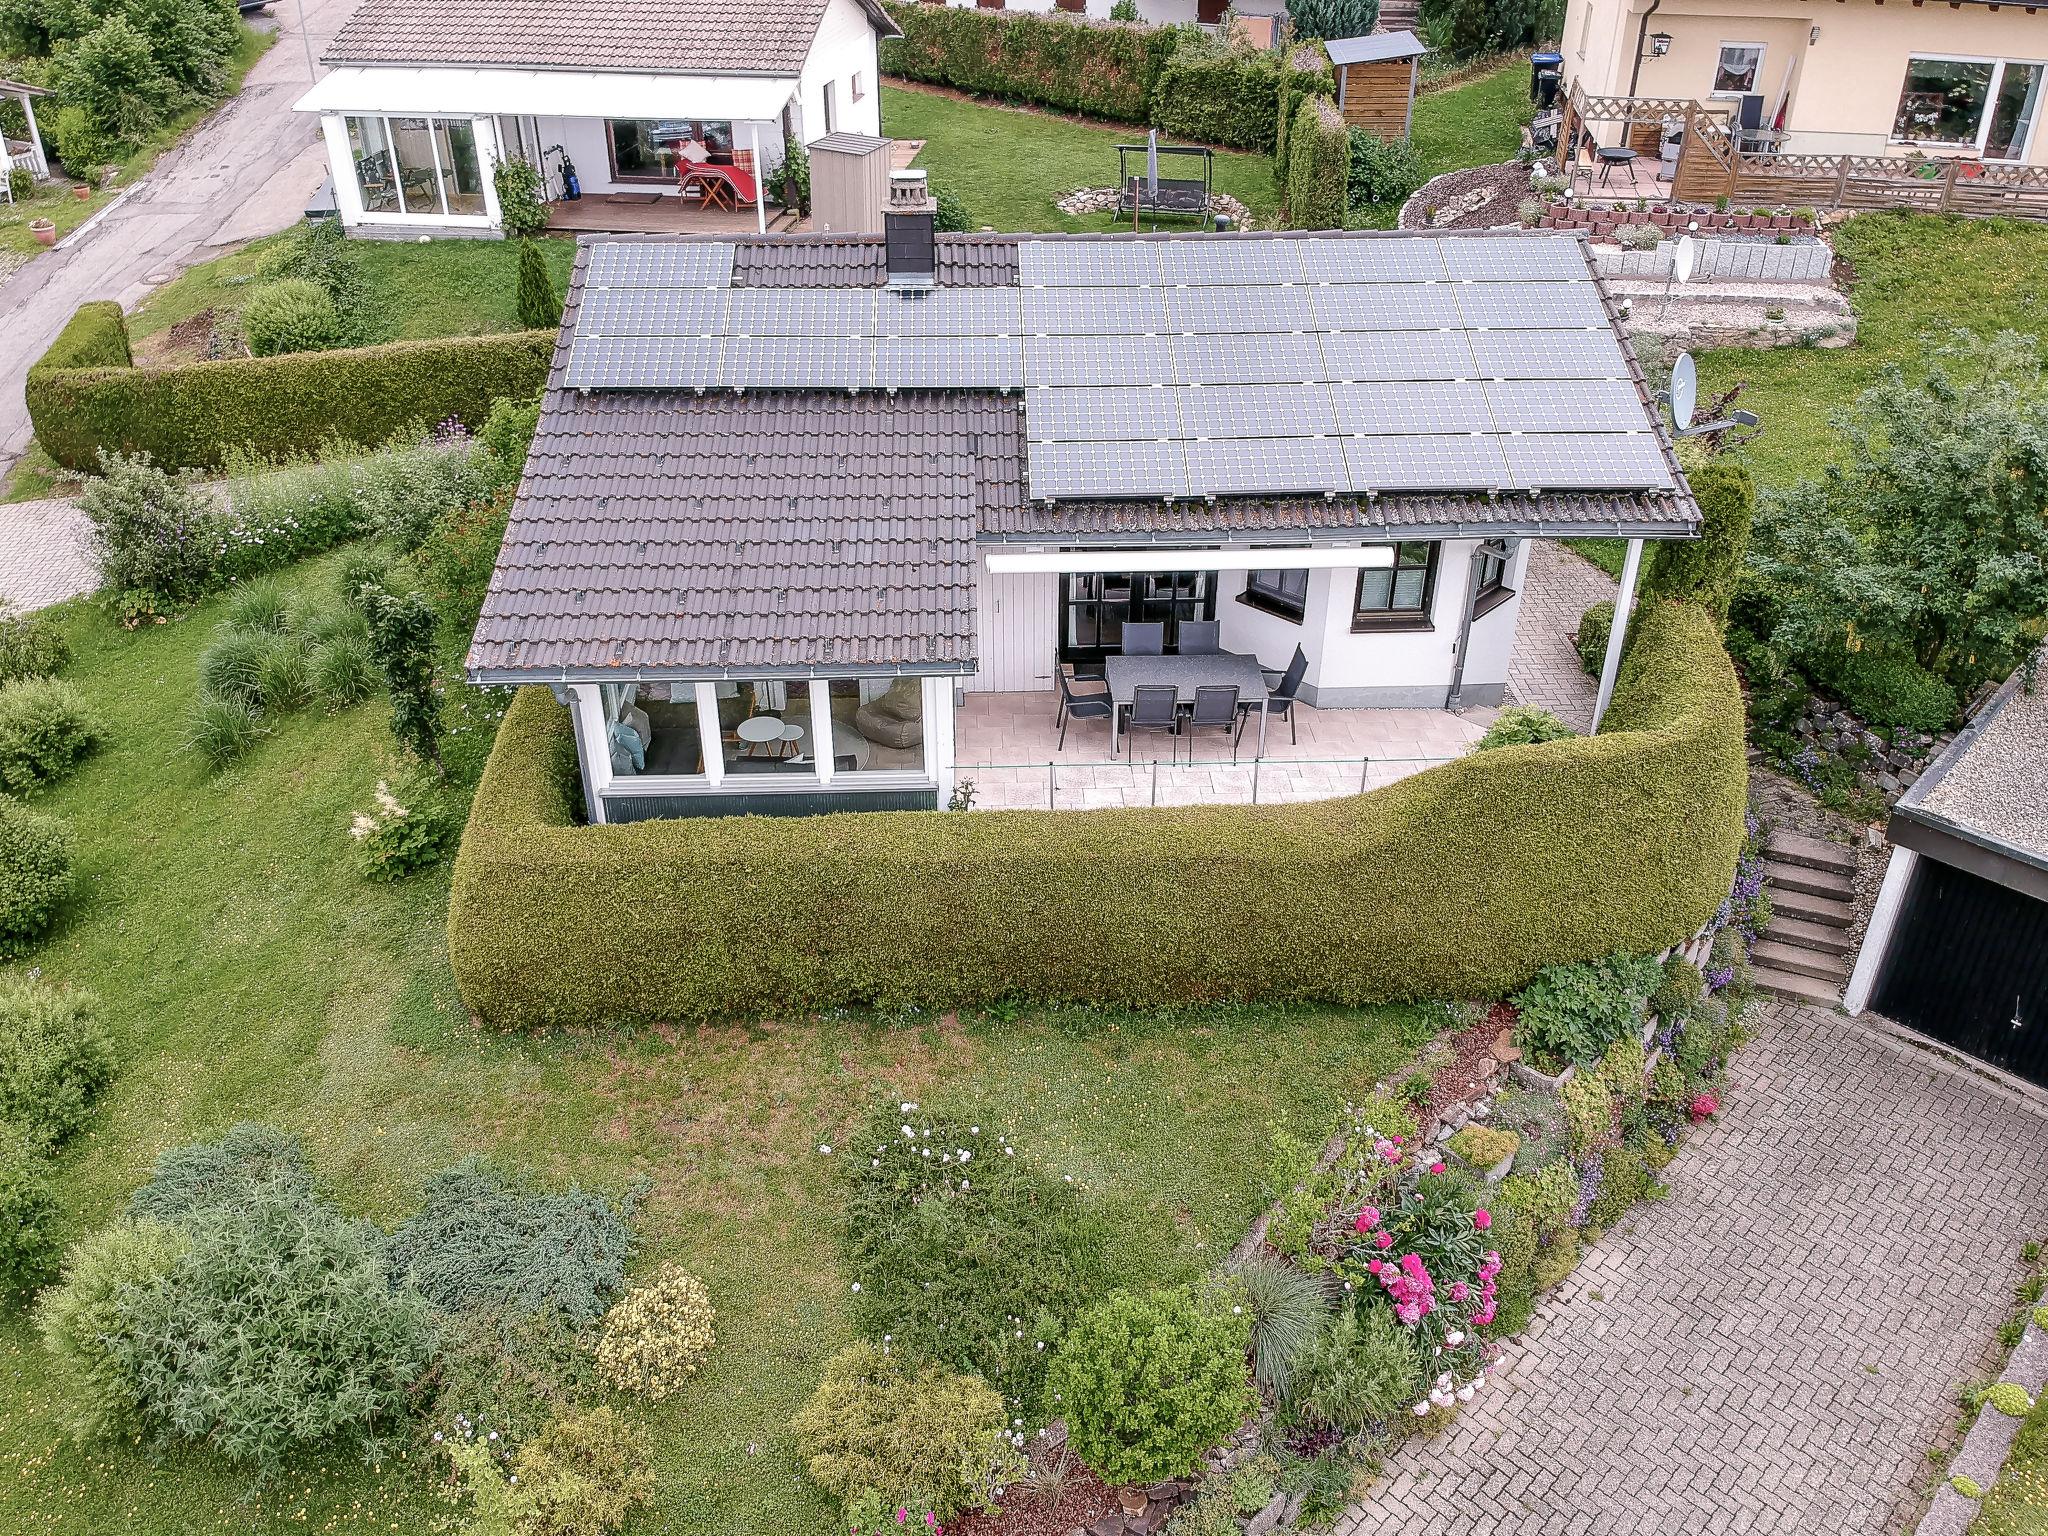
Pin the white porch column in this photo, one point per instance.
(938, 735)
(1624, 600)
(341, 164)
(760, 179)
(593, 745)
(490, 153)
(1877, 938)
(41, 167)
(821, 728)
(710, 739)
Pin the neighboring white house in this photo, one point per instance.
(791, 497)
(422, 100)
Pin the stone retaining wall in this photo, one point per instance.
(1735, 260)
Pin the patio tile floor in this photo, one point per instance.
(1008, 744)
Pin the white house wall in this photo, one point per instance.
(843, 50)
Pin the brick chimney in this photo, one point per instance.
(907, 220)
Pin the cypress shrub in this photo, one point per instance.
(1318, 166)
(1097, 68)
(540, 307)
(85, 398)
(1461, 881)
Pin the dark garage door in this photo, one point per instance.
(1969, 966)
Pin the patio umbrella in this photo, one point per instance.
(1152, 165)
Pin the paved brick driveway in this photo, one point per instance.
(1544, 671)
(43, 555)
(1773, 1347)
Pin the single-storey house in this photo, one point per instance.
(1858, 77)
(421, 102)
(1957, 946)
(27, 152)
(792, 499)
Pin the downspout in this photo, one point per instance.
(1642, 36)
(1454, 700)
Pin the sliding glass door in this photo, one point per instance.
(1095, 606)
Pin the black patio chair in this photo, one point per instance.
(1081, 706)
(1075, 686)
(1214, 709)
(1281, 700)
(1201, 637)
(1154, 707)
(1144, 640)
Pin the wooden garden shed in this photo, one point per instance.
(1376, 80)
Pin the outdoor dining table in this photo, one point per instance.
(1184, 674)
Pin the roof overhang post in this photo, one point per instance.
(40, 161)
(1624, 600)
(760, 181)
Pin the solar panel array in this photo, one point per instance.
(1188, 368)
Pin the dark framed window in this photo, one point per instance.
(648, 149)
(1397, 596)
(1281, 593)
(1496, 558)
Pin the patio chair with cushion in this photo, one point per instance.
(1215, 709)
(1201, 637)
(1091, 704)
(1144, 640)
(1282, 699)
(1154, 707)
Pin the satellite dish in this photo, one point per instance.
(1685, 391)
(1684, 256)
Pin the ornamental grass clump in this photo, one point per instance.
(657, 1334)
(1287, 1307)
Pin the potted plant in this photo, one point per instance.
(82, 191)
(44, 230)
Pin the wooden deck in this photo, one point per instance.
(610, 213)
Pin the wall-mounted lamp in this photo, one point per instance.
(1812, 35)
(1660, 44)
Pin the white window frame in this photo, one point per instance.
(1756, 79)
(1975, 148)
(342, 162)
(937, 772)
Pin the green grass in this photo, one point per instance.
(1008, 164)
(2017, 1504)
(1917, 277)
(442, 288)
(1463, 126)
(248, 971)
(63, 208)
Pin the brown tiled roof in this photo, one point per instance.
(757, 37)
(862, 261)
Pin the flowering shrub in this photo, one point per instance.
(656, 1334)
(153, 532)
(1703, 1107)
(1572, 1013)
(394, 840)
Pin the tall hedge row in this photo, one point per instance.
(1318, 166)
(1460, 881)
(84, 396)
(1173, 78)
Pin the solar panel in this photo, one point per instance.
(1256, 410)
(644, 362)
(1387, 306)
(1396, 260)
(801, 311)
(652, 312)
(1096, 415)
(1582, 405)
(1093, 311)
(1587, 461)
(1252, 359)
(1230, 263)
(1380, 410)
(1087, 262)
(1526, 258)
(1107, 469)
(1212, 310)
(947, 362)
(797, 362)
(1238, 467)
(1531, 305)
(642, 264)
(1541, 354)
(948, 312)
(1398, 355)
(1097, 359)
(1425, 463)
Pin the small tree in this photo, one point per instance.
(792, 184)
(520, 206)
(152, 532)
(1705, 570)
(540, 307)
(1333, 18)
(402, 644)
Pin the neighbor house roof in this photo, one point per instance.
(1983, 804)
(1373, 49)
(669, 37)
(710, 531)
(16, 88)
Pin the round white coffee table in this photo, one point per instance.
(758, 731)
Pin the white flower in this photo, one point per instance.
(825, 1147)
(974, 1130)
(908, 1107)
(1009, 1152)
(1454, 1338)
(874, 1162)
(1465, 1393)
(910, 1133)
(1421, 1409)
(963, 1183)
(965, 1155)
(1237, 1311)
(856, 1285)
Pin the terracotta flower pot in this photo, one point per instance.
(44, 231)
(82, 192)
(1131, 1501)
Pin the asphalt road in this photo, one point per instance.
(246, 171)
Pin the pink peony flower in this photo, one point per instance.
(1436, 1167)
(1385, 1240)
(1375, 1266)
(1370, 1216)
(1361, 1225)
(1482, 1219)
(1460, 1290)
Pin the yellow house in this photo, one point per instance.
(1829, 77)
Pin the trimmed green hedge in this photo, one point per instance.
(1227, 96)
(1318, 166)
(1097, 68)
(83, 395)
(1461, 881)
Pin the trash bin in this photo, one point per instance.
(1539, 65)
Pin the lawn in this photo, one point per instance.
(249, 972)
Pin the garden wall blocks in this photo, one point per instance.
(1737, 259)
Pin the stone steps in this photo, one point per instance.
(1807, 880)
(1811, 852)
(1791, 984)
(1804, 953)
(1828, 911)
(1812, 936)
(1772, 955)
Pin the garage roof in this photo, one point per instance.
(1988, 787)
